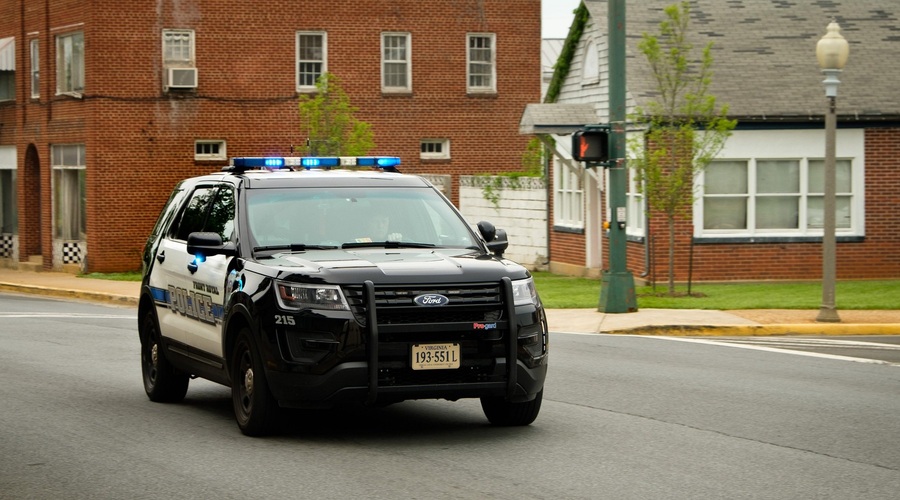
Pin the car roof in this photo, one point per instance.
(266, 179)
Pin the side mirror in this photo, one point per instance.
(496, 239)
(208, 244)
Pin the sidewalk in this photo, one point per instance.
(694, 322)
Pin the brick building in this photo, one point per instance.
(758, 209)
(105, 105)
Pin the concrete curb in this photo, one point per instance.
(762, 330)
(122, 300)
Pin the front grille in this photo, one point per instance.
(468, 303)
(474, 317)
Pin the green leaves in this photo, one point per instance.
(327, 118)
(683, 131)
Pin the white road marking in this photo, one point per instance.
(739, 345)
(66, 315)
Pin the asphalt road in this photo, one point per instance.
(623, 417)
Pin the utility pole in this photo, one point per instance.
(617, 287)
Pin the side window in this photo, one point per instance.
(221, 214)
(35, 70)
(312, 62)
(179, 59)
(481, 71)
(209, 209)
(396, 71)
(70, 64)
(194, 214)
(7, 69)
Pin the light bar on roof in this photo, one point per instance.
(311, 162)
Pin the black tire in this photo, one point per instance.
(501, 412)
(255, 409)
(162, 382)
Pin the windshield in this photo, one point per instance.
(296, 219)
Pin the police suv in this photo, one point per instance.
(308, 282)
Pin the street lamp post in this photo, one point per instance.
(831, 51)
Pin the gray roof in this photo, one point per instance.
(560, 119)
(764, 59)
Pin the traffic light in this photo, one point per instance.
(591, 145)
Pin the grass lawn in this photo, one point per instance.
(566, 292)
(563, 292)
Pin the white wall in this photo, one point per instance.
(522, 212)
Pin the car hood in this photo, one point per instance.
(342, 266)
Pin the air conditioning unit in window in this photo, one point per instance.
(181, 78)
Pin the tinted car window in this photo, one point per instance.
(209, 209)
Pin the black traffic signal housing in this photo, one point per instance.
(591, 145)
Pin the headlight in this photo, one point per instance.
(524, 292)
(301, 296)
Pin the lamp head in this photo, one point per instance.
(832, 49)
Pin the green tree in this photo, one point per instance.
(684, 131)
(330, 127)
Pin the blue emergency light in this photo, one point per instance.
(311, 162)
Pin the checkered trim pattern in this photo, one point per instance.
(71, 252)
(7, 245)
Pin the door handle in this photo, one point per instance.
(161, 256)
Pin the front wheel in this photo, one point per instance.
(254, 406)
(501, 412)
(162, 382)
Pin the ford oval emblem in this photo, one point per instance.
(431, 299)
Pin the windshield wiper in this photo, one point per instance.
(387, 244)
(293, 247)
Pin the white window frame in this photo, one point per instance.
(568, 196)
(388, 49)
(68, 158)
(434, 149)
(8, 76)
(203, 150)
(490, 65)
(70, 64)
(35, 70)
(590, 65)
(301, 85)
(784, 145)
(9, 197)
(178, 55)
(635, 218)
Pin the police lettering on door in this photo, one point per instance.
(193, 304)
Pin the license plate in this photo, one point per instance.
(435, 356)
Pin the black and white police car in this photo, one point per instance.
(302, 283)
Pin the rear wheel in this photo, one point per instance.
(501, 412)
(254, 406)
(162, 382)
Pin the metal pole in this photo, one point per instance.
(827, 312)
(617, 288)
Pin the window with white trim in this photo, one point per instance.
(8, 201)
(590, 67)
(568, 199)
(178, 48)
(481, 67)
(434, 149)
(210, 150)
(635, 219)
(69, 195)
(396, 62)
(312, 60)
(776, 197)
(35, 69)
(70, 64)
(8, 68)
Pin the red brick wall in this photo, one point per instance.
(139, 140)
(877, 256)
